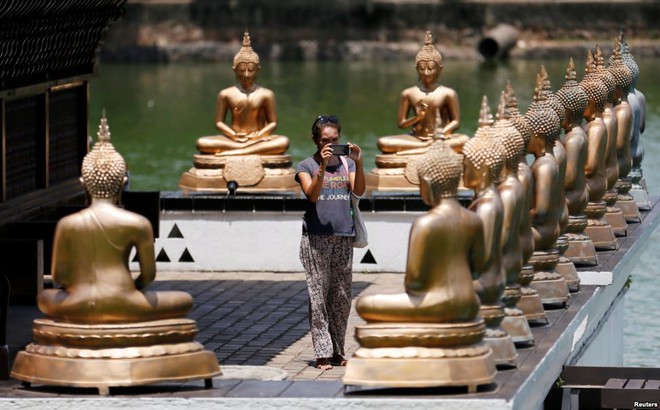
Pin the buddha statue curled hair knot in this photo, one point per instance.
(628, 59)
(485, 120)
(486, 152)
(246, 54)
(572, 96)
(546, 88)
(621, 72)
(592, 85)
(103, 168)
(428, 52)
(512, 143)
(514, 115)
(441, 167)
(542, 118)
(604, 74)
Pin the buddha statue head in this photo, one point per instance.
(621, 72)
(246, 63)
(554, 103)
(484, 155)
(604, 74)
(103, 168)
(572, 96)
(543, 120)
(428, 61)
(439, 171)
(593, 87)
(513, 114)
(628, 59)
(510, 139)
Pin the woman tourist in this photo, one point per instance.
(326, 248)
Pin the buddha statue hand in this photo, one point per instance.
(241, 137)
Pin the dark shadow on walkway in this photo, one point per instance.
(248, 322)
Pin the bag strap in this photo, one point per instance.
(343, 161)
(355, 200)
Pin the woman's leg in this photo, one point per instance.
(340, 294)
(315, 255)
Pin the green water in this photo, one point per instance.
(156, 112)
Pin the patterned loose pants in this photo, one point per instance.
(328, 261)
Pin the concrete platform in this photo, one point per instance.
(256, 323)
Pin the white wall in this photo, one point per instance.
(269, 241)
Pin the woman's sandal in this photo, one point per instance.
(323, 364)
(338, 360)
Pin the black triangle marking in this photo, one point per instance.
(175, 232)
(368, 258)
(162, 256)
(135, 258)
(186, 256)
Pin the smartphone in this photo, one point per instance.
(340, 149)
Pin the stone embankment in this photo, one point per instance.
(211, 30)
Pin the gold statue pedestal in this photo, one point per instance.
(629, 209)
(567, 270)
(625, 202)
(102, 356)
(395, 173)
(565, 267)
(515, 323)
(500, 342)
(598, 229)
(421, 355)
(581, 250)
(530, 301)
(639, 191)
(613, 215)
(252, 173)
(641, 197)
(549, 284)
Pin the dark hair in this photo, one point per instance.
(323, 121)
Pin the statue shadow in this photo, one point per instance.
(352, 390)
(248, 322)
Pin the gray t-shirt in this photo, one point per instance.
(331, 214)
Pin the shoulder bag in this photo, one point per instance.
(361, 239)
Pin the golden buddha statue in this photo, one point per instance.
(483, 164)
(580, 248)
(637, 101)
(565, 267)
(512, 196)
(624, 116)
(530, 301)
(613, 216)
(431, 112)
(246, 151)
(598, 229)
(546, 212)
(431, 334)
(101, 325)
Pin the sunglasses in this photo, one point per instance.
(325, 119)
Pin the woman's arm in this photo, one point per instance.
(356, 178)
(311, 184)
